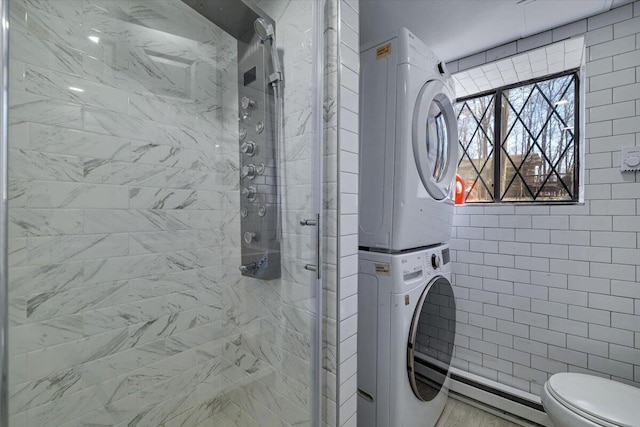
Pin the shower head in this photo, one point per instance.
(263, 29)
(266, 33)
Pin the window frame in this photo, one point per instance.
(496, 155)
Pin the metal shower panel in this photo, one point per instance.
(258, 136)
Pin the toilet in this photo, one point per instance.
(578, 400)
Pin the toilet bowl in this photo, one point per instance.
(578, 400)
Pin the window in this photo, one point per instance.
(520, 143)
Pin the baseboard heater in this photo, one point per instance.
(507, 402)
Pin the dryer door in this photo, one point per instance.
(431, 337)
(435, 139)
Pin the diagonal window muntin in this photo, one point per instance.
(479, 135)
(551, 176)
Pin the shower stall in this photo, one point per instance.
(160, 227)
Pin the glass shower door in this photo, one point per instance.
(127, 302)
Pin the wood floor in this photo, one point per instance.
(459, 414)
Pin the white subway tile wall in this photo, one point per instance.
(348, 124)
(545, 289)
(341, 198)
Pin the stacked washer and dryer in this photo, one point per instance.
(406, 307)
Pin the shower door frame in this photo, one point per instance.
(316, 281)
(4, 212)
(319, 7)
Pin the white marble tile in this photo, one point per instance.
(166, 155)
(161, 371)
(54, 304)
(57, 249)
(51, 84)
(44, 390)
(100, 370)
(163, 109)
(63, 409)
(18, 189)
(30, 164)
(122, 125)
(45, 278)
(17, 251)
(123, 268)
(31, 50)
(19, 136)
(34, 336)
(194, 337)
(45, 222)
(102, 171)
(26, 107)
(120, 220)
(51, 139)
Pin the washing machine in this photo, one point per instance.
(408, 145)
(406, 332)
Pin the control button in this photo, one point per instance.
(262, 210)
(243, 134)
(248, 148)
(259, 126)
(435, 261)
(442, 68)
(250, 193)
(249, 236)
(244, 212)
(249, 171)
(632, 161)
(249, 268)
(260, 169)
(247, 102)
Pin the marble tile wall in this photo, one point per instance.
(126, 304)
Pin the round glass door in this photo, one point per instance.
(435, 139)
(431, 339)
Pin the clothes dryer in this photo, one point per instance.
(408, 145)
(406, 332)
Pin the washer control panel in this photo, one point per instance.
(412, 263)
(420, 265)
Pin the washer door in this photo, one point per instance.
(435, 139)
(431, 338)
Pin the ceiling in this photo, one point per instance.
(554, 58)
(457, 28)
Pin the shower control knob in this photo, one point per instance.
(435, 261)
(249, 171)
(248, 148)
(250, 193)
(247, 102)
(243, 134)
(249, 236)
(248, 268)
